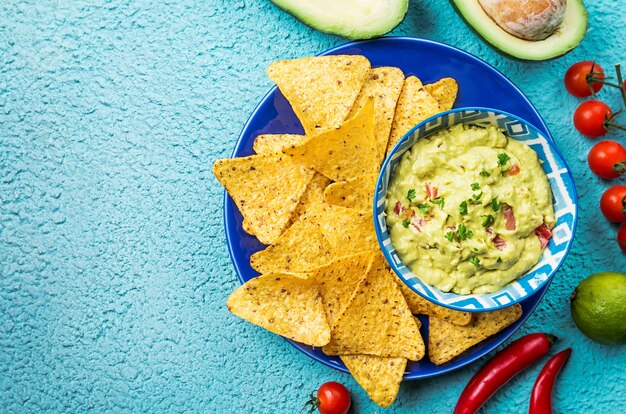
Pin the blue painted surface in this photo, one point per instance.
(113, 264)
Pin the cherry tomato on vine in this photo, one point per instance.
(576, 77)
(589, 118)
(621, 237)
(607, 159)
(332, 398)
(613, 203)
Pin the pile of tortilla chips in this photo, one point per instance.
(308, 197)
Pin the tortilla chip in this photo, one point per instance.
(285, 305)
(348, 231)
(338, 280)
(267, 144)
(444, 91)
(357, 193)
(419, 305)
(379, 377)
(447, 340)
(266, 189)
(301, 247)
(322, 89)
(314, 194)
(343, 153)
(415, 104)
(377, 321)
(383, 85)
(272, 143)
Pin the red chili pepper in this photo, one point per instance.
(541, 398)
(501, 368)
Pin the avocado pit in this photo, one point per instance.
(526, 19)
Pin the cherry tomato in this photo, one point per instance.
(607, 159)
(332, 398)
(576, 78)
(589, 118)
(621, 237)
(613, 203)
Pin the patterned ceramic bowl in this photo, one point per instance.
(565, 208)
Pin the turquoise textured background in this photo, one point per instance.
(113, 264)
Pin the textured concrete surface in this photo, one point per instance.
(113, 264)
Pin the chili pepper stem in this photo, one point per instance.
(552, 338)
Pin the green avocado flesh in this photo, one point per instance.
(566, 37)
(354, 19)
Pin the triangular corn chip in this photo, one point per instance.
(314, 194)
(379, 377)
(348, 231)
(377, 321)
(266, 189)
(414, 105)
(338, 280)
(421, 306)
(343, 153)
(267, 144)
(357, 193)
(447, 340)
(322, 89)
(383, 86)
(444, 91)
(300, 248)
(285, 305)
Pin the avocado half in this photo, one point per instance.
(354, 19)
(566, 37)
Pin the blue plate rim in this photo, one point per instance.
(506, 333)
(553, 148)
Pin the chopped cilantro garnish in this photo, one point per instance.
(499, 260)
(503, 158)
(475, 186)
(477, 196)
(440, 201)
(488, 221)
(411, 194)
(475, 261)
(406, 223)
(463, 208)
(485, 173)
(462, 233)
(449, 235)
(495, 205)
(423, 208)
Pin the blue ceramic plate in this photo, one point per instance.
(480, 85)
(565, 209)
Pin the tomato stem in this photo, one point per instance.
(620, 82)
(620, 167)
(609, 122)
(312, 403)
(593, 79)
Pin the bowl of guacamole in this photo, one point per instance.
(475, 209)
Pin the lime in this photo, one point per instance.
(599, 307)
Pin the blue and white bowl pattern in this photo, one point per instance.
(565, 207)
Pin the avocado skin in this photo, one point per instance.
(355, 33)
(506, 53)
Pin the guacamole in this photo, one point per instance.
(469, 210)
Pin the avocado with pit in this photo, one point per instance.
(544, 30)
(354, 19)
